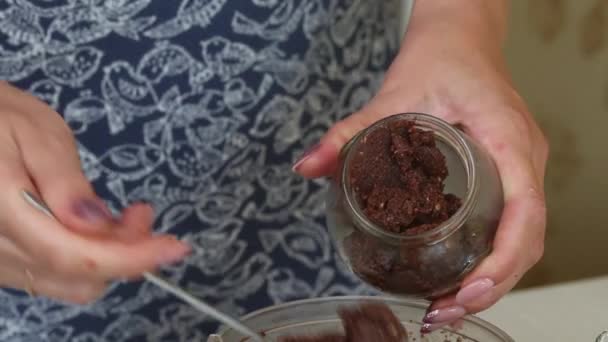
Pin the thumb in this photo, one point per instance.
(322, 159)
(51, 158)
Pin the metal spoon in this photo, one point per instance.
(163, 284)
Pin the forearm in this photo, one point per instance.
(478, 23)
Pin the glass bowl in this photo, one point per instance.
(315, 316)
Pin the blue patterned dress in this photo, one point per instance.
(198, 107)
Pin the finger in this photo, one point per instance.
(40, 283)
(50, 157)
(75, 255)
(136, 221)
(515, 252)
(70, 290)
(442, 312)
(490, 281)
(442, 302)
(518, 246)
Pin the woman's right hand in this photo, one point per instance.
(74, 259)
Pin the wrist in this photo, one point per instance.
(479, 24)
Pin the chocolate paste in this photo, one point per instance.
(397, 174)
(365, 323)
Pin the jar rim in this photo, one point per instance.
(464, 152)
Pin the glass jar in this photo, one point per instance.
(431, 263)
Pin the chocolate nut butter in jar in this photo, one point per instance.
(414, 205)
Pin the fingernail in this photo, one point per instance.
(305, 156)
(474, 290)
(171, 256)
(92, 211)
(445, 314)
(428, 328)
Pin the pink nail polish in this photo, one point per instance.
(428, 328)
(474, 290)
(92, 211)
(445, 314)
(305, 156)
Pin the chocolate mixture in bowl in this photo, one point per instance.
(368, 322)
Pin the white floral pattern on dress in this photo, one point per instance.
(198, 107)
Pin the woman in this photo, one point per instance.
(200, 108)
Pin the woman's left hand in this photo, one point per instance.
(460, 76)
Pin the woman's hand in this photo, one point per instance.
(74, 259)
(453, 69)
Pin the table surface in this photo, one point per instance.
(575, 311)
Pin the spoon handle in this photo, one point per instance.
(202, 306)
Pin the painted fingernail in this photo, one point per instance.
(428, 328)
(92, 211)
(474, 290)
(171, 256)
(445, 314)
(305, 156)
